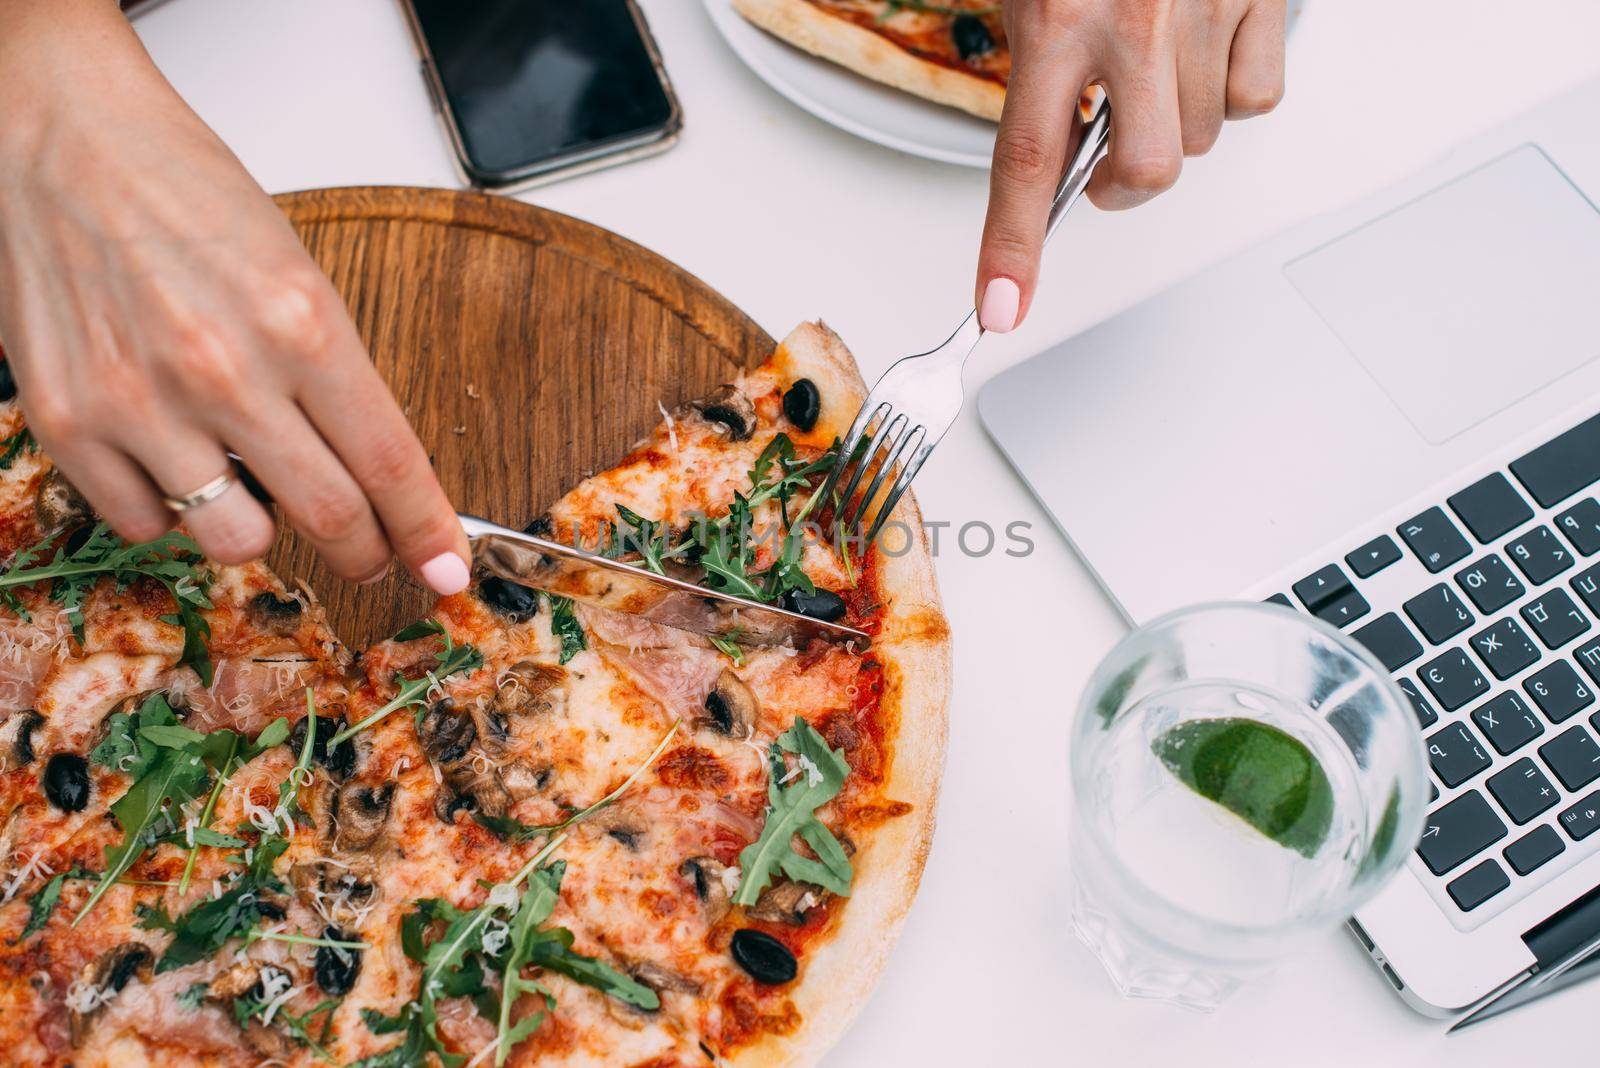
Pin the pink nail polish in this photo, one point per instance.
(998, 312)
(445, 574)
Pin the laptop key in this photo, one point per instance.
(1389, 640)
(1587, 586)
(1505, 647)
(1562, 466)
(1555, 618)
(1534, 850)
(1574, 756)
(1373, 557)
(1426, 716)
(1582, 819)
(1588, 655)
(1581, 525)
(1480, 883)
(1458, 830)
(1491, 507)
(1490, 584)
(1523, 791)
(1455, 754)
(1453, 680)
(1438, 613)
(1558, 691)
(1434, 539)
(1539, 554)
(1321, 586)
(1279, 598)
(1348, 607)
(1507, 722)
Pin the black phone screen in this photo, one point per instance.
(532, 81)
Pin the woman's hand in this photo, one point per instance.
(1173, 69)
(159, 313)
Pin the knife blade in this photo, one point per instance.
(590, 579)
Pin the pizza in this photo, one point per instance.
(953, 52)
(521, 830)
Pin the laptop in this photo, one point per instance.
(1388, 417)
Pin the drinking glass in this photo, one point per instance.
(1243, 776)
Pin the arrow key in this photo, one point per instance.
(1461, 829)
(1373, 557)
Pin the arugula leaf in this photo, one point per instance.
(42, 903)
(451, 659)
(791, 810)
(413, 1049)
(564, 625)
(555, 952)
(538, 902)
(297, 1027)
(22, 439)
(192, 996)
(420, 629)
(172, 560)
(208, 926)
(728, 648)
(166, 779)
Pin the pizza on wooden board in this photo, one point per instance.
(523, 830)
(953, 52)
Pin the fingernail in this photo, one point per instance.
(445, 574)
(376, 577)
(998, 312)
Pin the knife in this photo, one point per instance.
(583, 576)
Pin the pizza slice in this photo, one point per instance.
(953, 52)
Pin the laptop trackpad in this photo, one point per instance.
(1470, 297)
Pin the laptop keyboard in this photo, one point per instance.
(1500, 659)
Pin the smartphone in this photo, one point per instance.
(530, 91)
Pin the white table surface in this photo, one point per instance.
(793, 219)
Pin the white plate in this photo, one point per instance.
(863, 107)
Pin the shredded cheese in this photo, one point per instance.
(672, 429)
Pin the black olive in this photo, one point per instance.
(270, 909)
(824, 604)
(8, 384)
(341, 761)
(625, 836)
(79, 535)
(66, 782)
(802, 402)
(274, 614)
(721, 714)
(541, 527)
(764, 957)
(971, 36)
(337, 967)
(516, 603)
(122, 963)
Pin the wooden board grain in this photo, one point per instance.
(527, 348)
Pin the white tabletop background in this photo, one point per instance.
(792, 219)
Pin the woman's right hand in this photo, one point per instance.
(159, 312)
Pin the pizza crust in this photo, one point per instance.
(914, 649)
(855, 48)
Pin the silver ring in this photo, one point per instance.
(204, 495)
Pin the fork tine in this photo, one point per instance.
(901, 484)
(847, 448)
(891, 428)
(891, 457)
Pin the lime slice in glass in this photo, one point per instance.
(1264, 776)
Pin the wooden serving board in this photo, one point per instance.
(527, 348)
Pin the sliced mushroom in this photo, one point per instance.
(58, 504)
(234, 982)
(785, 901)
(730, 707)
(476, 786)
(108, 974)
(494, 731)
(705, 874)
(620, 825)
(274, 614)
(729, 406)
(16, 738)
(330, 890)
(530, 689)
(446, 734)
(359, 814)
(523, 780)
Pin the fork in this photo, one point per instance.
(917, 399)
